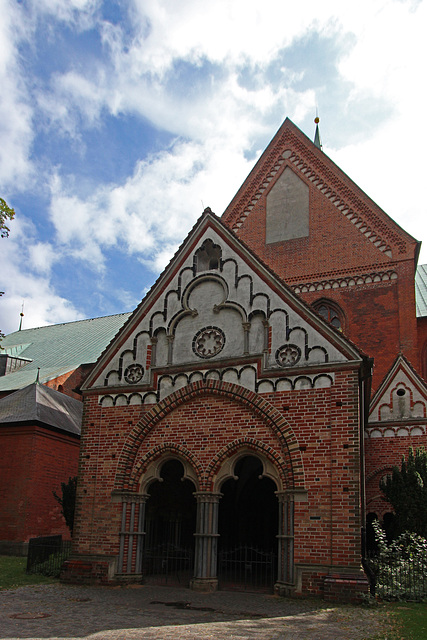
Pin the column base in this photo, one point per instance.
(283, 589)
(344, 587)
(204, 585)
(89, 569)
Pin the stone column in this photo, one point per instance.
(154, 342)
(132, 531)
(170, 339)
(206, 553)
(246, 328)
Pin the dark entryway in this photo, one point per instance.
(248, 526)
(170, 525)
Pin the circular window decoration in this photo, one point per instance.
(134, 373)
(208, 342)
(288, 355)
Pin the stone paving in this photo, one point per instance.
(59, 612)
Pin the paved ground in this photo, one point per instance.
(146, 613)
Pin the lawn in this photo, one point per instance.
(12, 573)
(410, 620)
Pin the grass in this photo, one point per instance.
(410, 620)
(12, 573)
(407, 621)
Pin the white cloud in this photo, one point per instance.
(16, 133)
(204, 71)
(24, 265)
(154, 209)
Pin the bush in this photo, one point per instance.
(400, 568)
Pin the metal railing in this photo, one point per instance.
(246, 568)
(47, 554)
(167, 564)
(398, 577)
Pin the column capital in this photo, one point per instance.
(129, 496)
(292, 495)
(207, 496)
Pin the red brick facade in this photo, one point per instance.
(226, 377)
(34, 462)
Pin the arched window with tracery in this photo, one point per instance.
(208, 257)
(331, 312)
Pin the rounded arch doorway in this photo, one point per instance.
(248, 527)
(170, 527)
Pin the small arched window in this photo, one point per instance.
(331, 313)
(208, 256)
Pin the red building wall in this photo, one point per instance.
(33, 464)
(325, 423)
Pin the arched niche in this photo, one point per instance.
(227, 469)
(153, 472)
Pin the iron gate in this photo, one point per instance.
(247, 569)
(168, 564)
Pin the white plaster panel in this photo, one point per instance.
(256, 335)
(287, 208)
(322, 382)
(265, 387)
(161, 349)
(165, 387)
(401, 400)
(228, 318)
(248, 378)
(231, 376)
(303, 383)
(284, 385)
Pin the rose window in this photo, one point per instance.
(208, 342)
(288, 355)
(134, 373)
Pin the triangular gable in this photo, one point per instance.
(217, 311)
(402, 396)
(292, 165)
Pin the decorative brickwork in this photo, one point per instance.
(229, 410)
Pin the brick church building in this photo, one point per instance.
(236, 428)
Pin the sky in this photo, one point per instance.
(121, 121)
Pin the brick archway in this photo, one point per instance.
(127, 479)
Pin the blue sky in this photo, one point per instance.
(120, 121)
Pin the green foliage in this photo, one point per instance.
(6, 213)
(406, 491)
(68, 501)
(400, 568)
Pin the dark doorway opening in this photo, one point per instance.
(170, 525)
(248, 526)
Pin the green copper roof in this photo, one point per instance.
(421, 290)
(57, 349)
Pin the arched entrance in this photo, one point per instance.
(170, 526)
(248, 528)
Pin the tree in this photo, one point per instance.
(6, 213)
(68, 501)
(406, 490)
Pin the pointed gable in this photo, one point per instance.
(301, 213)
(218, 312)
(401, 398)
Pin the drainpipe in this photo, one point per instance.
(364, 394)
